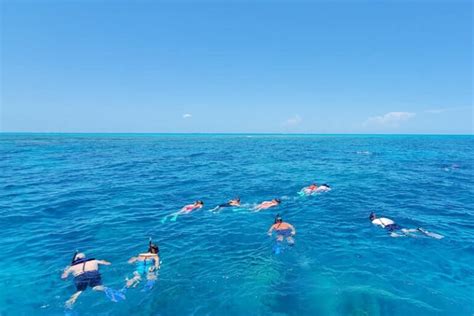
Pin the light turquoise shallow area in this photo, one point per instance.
(106, 194)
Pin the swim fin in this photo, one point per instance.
(430, 234)
(277, 248)
(215, 209)
(173, 219)
(148, 286)
(114, 295)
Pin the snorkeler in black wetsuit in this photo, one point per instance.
(232, 203)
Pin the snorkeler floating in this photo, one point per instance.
(314, 188)
(396, 230)
(146, 266)
(267, 204)
(86, 274)
(232, 203)
(185, 210)
(86, 270)
(282, 230)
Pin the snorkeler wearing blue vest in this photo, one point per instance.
(396, 230)
(146, 266)
(86, 274)
(283, 230)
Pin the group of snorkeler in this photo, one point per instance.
(86, 270)
(86, 274)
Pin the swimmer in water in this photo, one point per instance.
(314, 188)
(267, 204)
(232, 203)
(191, 207)
(86, 274)
(394, 229)
(146, 265)
(282, 230)
(185, 210)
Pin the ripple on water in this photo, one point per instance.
(106, 195)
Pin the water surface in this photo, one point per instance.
(106, 194)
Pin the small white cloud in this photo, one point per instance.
(391, 119)
(187, 115)
(293, 121)
(442, 110)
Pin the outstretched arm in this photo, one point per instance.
(271, 230)
(293, 230)
(103, 262)
(66, 273)
(157, 262)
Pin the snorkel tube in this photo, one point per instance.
(82, 258)
(74, 257)
(153, 248)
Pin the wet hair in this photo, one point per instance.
(153, 248)
(277, 200)
(200, 202)
(278, 219)
(326, 185)
(372, 216)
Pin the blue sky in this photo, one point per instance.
(268, 66)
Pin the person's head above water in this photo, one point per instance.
(80, 255)
(199, 202)
(153, 248)
(277, 200)
(77, 256)
(372, 216)
(278, 219)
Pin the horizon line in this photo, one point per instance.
(238, 133)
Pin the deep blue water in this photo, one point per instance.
(106, 194)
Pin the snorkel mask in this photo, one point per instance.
(153, 248)
(372, 216)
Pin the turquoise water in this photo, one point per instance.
(106, 194)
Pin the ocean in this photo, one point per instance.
(106, 195)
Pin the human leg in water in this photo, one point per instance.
(290, 240)
(134, 281)
(150, 283)
(112, 294)
(70, 302)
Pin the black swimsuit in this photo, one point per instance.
(87, 278)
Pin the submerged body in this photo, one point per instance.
(146, 266)
(396, 230)
(314, 188)
(185, 210)
(86, 274)
(283, 230)
(267, 204)
(230, 203)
